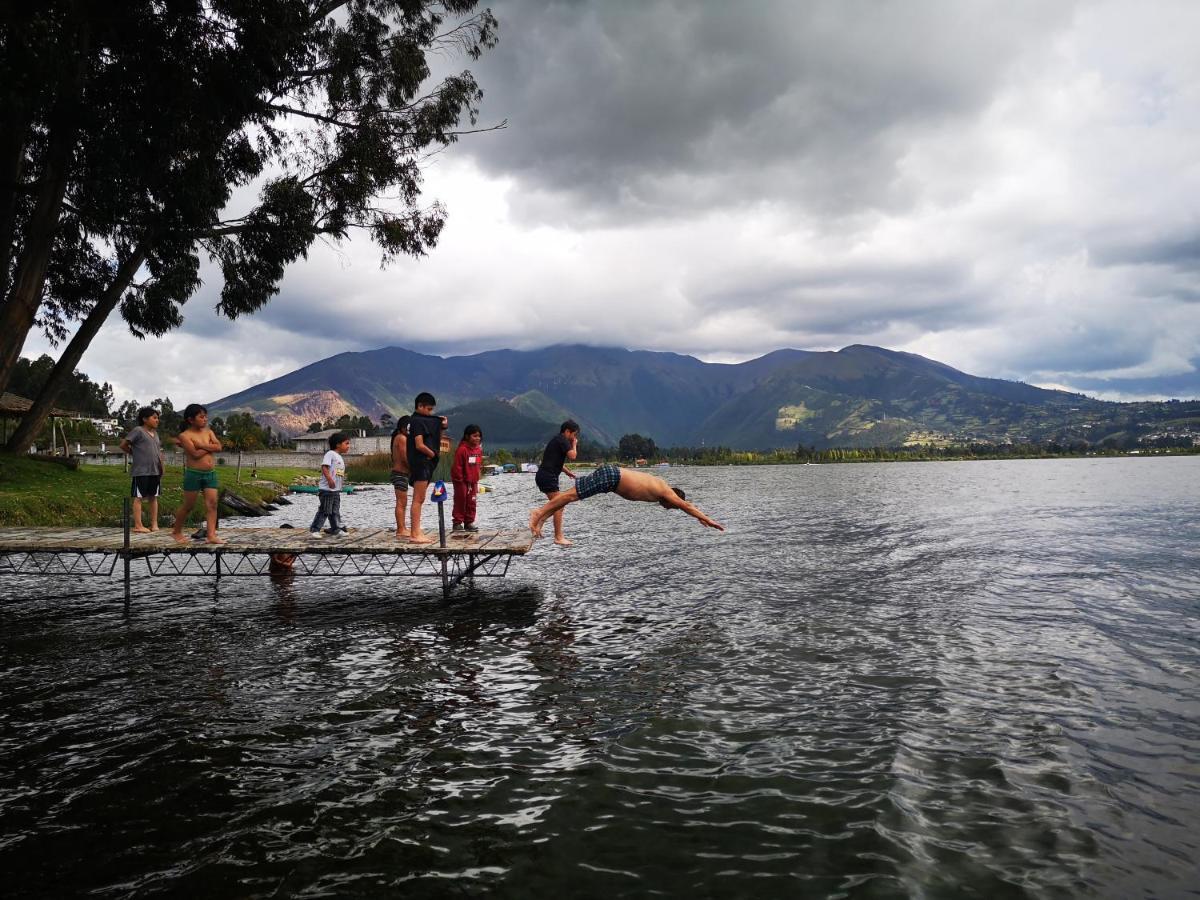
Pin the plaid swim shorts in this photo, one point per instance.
(603, 481)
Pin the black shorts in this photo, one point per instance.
(546, 482)
(422, 471)
(145, 486)
(400, 481)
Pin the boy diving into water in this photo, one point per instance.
(625, 483)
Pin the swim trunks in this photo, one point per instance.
(199, 479)
(422, 471)
(603, 481)
(400, 481)
(546, 483)
(146, 486)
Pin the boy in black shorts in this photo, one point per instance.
(562, 447)
(147, 466)
(424, 444)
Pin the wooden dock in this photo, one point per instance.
(260, 551)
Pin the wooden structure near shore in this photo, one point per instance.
(79, 552)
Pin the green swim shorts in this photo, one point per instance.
(198, 479)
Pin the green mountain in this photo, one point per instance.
(502, 422)
(857, 396)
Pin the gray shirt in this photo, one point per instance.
(147, 452)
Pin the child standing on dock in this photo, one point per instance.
(199, 471)
(400, 474)
(562, 447)
(333, 479)
(147, 468)
(464, 472)
(424, 443)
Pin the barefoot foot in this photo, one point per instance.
(214, 540)
(141, 529)
(563, 542)
(179, 538)
(421, 539)
(534, 525)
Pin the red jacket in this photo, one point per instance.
(467, 462)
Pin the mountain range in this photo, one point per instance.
(857, 396)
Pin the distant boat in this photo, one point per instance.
(662, 465)
(313, 489)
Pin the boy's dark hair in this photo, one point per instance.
(401, 423)
(192, 410)
(569, 425)
(680, 493)
(424, 399)
(470, 430)
(146, 412)
(336, 438)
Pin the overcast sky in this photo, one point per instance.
(1010, 188)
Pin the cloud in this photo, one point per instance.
(1005, 187)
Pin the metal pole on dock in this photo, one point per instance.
(126, 515)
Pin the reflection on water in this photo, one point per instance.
(883, 680)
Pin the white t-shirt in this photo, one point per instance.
(337, 468)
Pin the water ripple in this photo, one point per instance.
(883, 680)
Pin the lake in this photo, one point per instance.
(884, 680)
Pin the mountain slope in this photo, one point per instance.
(859, 395)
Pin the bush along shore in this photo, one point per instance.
(37, 492)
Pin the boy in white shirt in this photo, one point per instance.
(333, 477)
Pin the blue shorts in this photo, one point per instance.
(603, 481)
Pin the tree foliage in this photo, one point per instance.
(634, 446)
(80, 394)
(125, 126)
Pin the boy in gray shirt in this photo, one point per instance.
(147, 468)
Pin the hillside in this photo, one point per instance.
(857, 396)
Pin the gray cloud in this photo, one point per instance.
(627, 110)
(1005, 187)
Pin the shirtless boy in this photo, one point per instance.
(625, 483)
(400, 473)
(199, 473)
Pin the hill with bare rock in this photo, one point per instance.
(859, 396)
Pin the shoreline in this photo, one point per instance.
(41, 493)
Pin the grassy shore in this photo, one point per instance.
(33, 492)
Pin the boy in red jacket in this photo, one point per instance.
(464, 472)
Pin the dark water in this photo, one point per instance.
(925, 680)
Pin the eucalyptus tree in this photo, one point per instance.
(146, 116)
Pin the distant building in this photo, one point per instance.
(318, 442)
(360, 444)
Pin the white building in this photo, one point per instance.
(318, 442)
(360, 444)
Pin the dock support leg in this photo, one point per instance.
(442, 543)
(126, 515)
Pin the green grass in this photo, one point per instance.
(376, 468)
(33, 492)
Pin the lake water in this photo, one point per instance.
(897, 680)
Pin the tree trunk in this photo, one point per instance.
(12, 164)
(32, 421)
(29, 281)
